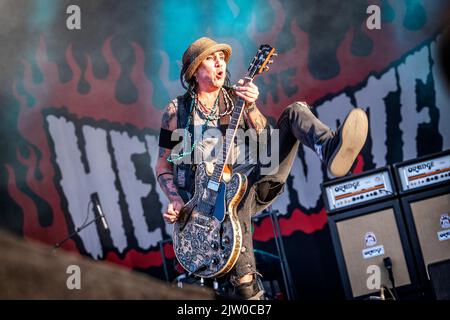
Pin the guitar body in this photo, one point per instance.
(207, 236)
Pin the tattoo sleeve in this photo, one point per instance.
(164, 169)
(168, 117)
(256, 119)
(168, 186)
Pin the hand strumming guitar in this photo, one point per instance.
(173, 210)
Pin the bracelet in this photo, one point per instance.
(250, 108)
(163, 174)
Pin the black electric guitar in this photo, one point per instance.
(207, 236)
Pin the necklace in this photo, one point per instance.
(203, 106)
(229, 106)
(207, 115)
(211, 115)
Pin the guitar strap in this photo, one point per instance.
(184, 173)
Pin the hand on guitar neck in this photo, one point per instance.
(247, 91)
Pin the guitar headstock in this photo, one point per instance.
(261, 60)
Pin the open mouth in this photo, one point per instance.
(220, 74)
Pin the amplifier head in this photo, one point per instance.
(356, 190)
(423, 173)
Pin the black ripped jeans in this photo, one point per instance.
(297, 124)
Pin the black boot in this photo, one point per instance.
(339, 152)
(253, 290)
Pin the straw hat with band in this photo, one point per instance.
(198, 51)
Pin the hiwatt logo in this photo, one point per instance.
(373, 252)
(370, 240)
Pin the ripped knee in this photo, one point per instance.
(267, 191)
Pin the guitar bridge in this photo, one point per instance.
(200, 226)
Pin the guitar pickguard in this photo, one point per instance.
(220, 207)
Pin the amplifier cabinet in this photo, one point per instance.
(362, 239)
(427, 216)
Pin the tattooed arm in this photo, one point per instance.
(164, 169)
(255, 118)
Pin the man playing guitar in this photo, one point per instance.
(205, 78)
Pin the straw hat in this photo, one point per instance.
(198, 51)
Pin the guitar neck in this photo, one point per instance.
(257, 66)
(229, 136)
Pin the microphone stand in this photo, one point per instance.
(77, 230)
(285, 271)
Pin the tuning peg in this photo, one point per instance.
(270, 61)
(267, 68)
(275, 55)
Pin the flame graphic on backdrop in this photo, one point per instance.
(388, 45)
(99, 104)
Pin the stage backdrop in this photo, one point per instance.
(81, 103)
